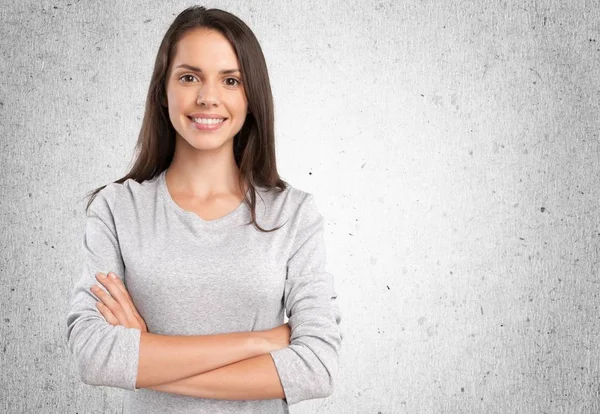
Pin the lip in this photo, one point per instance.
(210, 116)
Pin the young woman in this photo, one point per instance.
(206, 247)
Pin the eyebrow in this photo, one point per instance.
(195, 69)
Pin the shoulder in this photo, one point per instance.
(105, 199)
(289, 198)
(293, 202)
(139, 192)
(115, 194)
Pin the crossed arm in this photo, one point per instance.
(243, 372)
(232, 366)
(254, 378)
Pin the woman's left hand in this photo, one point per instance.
(117, 307)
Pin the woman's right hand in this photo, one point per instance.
(277, 338)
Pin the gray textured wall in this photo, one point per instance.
(451, 146)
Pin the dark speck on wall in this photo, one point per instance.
(543, 209)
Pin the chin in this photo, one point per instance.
(206, 143)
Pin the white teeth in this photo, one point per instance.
(208, 121)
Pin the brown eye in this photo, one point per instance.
(234, 79)
(187, 76)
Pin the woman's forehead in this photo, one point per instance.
(206, 50)
(204, 44)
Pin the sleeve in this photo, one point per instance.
(308, 367)
(104, 354)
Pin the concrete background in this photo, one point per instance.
(451, 146)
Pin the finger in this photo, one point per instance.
(110, 303)
(115, 278)
(119, 296)
(108, 315)
(119, 282)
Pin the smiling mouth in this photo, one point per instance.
(208, 125)
(207, 121)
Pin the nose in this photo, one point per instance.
(208, 95)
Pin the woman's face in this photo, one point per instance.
(200, 89)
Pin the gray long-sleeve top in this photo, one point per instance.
(188, 276)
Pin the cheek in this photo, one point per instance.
(173, 111)
(176, 104)
(240, 105)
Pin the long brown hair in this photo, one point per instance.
(253, 145)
